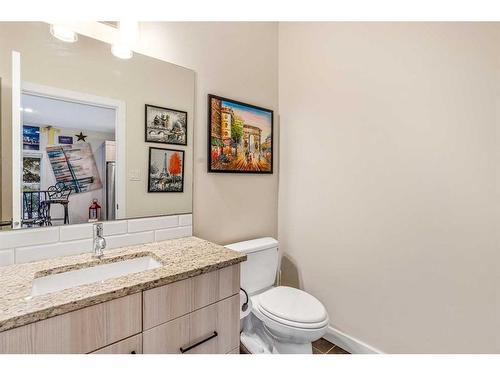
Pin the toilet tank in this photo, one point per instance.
(259, 271)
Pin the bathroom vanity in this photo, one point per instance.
(187, 302)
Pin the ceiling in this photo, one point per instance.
(38, 110)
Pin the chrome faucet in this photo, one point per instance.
(99, 241)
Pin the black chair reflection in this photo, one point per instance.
(31, 207)
(57, 194)
(37, 203)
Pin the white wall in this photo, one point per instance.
(387, 201)
(238, 61)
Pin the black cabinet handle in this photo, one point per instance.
(213, 335)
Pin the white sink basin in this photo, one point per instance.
(69, 279)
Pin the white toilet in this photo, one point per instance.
(276, 319)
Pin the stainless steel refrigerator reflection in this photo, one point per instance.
(110, 190)
(110, 183)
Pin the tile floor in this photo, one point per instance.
(323, 346)
(320, 346)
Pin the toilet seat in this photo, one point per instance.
(291, 307)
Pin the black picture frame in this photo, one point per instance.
(209, 136)
(149, 170)
(149, 140)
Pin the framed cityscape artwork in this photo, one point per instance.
(165, 125)
(31, 172)
(31, 138)
(166, 170)
(240, 137)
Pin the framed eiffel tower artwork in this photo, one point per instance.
(166, 170)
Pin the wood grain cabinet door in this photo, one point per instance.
(228, 324)
(167, 302)
(205, 289)
(215, 329)
(203, 335)
(77, 332)
(229, 281)
(167, 338)
(132, 345)
(171, 301)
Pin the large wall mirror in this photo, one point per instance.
(87, 136)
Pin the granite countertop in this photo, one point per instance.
(181, 258)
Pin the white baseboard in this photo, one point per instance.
(348, 343)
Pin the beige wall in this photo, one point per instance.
(89, 67)
(238, 61)
(387, 194)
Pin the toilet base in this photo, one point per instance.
(292, 348)
(255, 345)
(257, 339)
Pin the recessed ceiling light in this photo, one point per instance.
(63, 33)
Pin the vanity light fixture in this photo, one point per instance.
(127, 36)
(63, 33)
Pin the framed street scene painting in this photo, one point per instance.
(240, 137)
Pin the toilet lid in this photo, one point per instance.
(293, 305)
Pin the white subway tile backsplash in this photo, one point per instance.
(6, 257)
(28, 245)
(185, 220)
(28, 237)
(34, 253)
(75, 232)
(129, 239)
(152, 223)
(171, 233)
(112, 228)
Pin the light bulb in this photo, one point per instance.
(121, 51)
(63, 33)
(126, 39)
